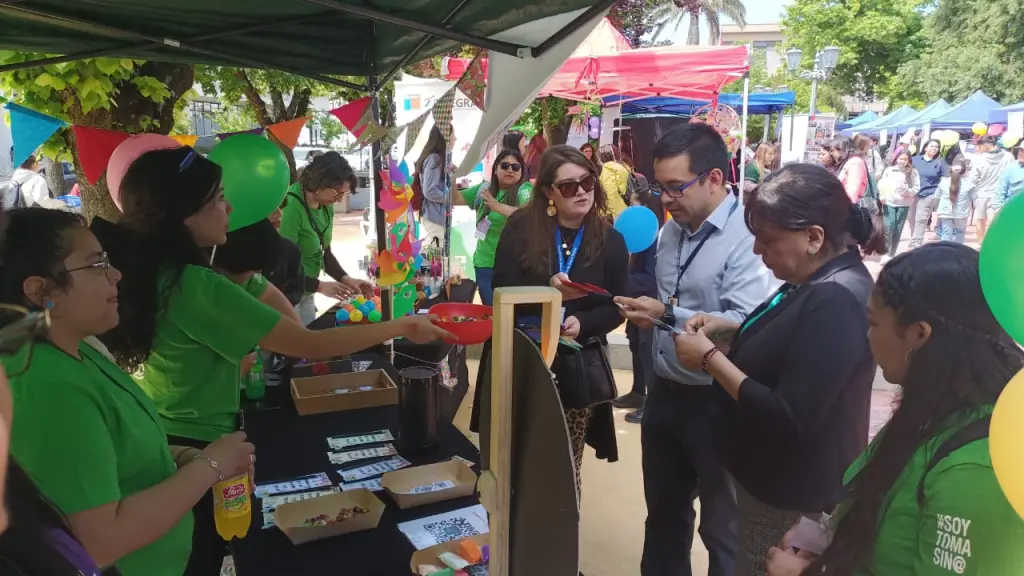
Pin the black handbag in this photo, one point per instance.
(584, 377)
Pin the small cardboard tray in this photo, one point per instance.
(400, 482)
(337, 366)
(429, 556)
(291, 517)
(319, 394)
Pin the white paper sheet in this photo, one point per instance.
(441, 528)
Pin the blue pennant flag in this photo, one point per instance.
(29, 129)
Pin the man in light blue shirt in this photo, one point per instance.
(1011, 182)
(705, 264)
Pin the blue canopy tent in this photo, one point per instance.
(757, 103)
(927, 114)
(864, 118)
(901, 112)
(1001, 115)
(975, 108)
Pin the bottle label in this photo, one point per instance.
(234, 497)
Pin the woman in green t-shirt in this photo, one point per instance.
(766, 161)
(85, 432)
(188, 359)
(923, 497)
(307, 219)
(508, 177)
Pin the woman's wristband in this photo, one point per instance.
(707, 359)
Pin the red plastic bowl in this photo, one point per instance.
(466, 333)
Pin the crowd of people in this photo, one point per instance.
(124, 345)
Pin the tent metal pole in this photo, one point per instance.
(571, 27)
(419, 46)
(743, 142)
(93, 28)
(767, 124)
(448, 34)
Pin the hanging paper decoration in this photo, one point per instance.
(442, 112)
(473, 82)
(95, 147)
(405, 299)
(288, 131)
(29, 129)
(226, 135)
(185, 139)
(414, 127)
(355, 115)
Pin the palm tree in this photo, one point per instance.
(673, 11)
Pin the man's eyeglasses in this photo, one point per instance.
(103, 264)
(510, 166)
(569, 189)
(19, 329)
(657, 188)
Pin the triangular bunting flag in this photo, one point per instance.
(186, 139)
(389, 140)
(226, 135)
(29, 129)
(473, 82)
(95, 147)
(414, 127)
(442, 112)
(288, 131)
(354, 115)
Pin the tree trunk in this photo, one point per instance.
(693, 36)
(54, 177)
(558, 133)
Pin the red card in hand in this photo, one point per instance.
(588, 288)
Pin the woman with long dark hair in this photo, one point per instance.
(562, 234)
(849, 166)
(923, 498)
(307, 219)
(932, 167)
(184, 328)
(494, 202)
(798, 370)
(956, 196)
(898, 187)
(588, 150)
(514, 140)
(538, 144)
(432, 174)
(85, 431)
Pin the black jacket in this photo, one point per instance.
(288, 274)
(802, 413)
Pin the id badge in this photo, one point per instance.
(482, 227)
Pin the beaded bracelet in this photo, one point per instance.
(707, 358)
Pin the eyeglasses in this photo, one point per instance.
(103, 264)
(569, 189)
(657, 188)
(510, 166)
(19, 329)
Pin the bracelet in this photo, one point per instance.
(213, 464)
(707, 358)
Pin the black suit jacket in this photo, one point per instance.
(802, 414)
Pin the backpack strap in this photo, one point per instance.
(973, 432)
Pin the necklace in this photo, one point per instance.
(567, 244)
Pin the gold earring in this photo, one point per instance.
(812, 252)
(551, 208)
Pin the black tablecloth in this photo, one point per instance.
(289, 445)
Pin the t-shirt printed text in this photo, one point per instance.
(952, 546)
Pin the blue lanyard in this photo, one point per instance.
(564, 266)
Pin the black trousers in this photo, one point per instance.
(681, 463)
(208, 548)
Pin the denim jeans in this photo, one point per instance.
(952, 229)
(485, 285)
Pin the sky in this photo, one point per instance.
(758, 12)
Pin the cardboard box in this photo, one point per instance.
(290, 518)
(400, 482)
(429, 556)
(318, 394)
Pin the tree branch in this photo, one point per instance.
(280, 110)
(254, 98)
(299, 105)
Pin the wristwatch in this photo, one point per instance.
(669, 317)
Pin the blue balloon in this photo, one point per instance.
(639, 226)
(341, 316)
(369, 305)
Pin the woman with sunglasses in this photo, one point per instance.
(508, 177)
(307, 219)
(85, 431)
(184, 328)
(563, 233)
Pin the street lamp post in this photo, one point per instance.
(825, 62)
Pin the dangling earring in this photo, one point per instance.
(551, 208)
(48, 304)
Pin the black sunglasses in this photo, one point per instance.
(569, 189)
(19, 329)
(510, 166)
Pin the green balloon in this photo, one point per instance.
(255, 177)
(1001, 266)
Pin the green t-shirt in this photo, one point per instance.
(966, 526)
(89, 437)
(192, 374)
(485, 248)
(752, 173)
(296, 226)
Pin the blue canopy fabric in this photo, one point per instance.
(864, 118)
(929, 112)
(975, 108)
(757, 103)
(1002, 115)
(868, 127)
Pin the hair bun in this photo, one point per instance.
(861, 223)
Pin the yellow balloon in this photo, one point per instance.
(355, 316)
(1005, 442)
(979, 128)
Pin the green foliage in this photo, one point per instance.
(830, 99)
(330, 128)
(875, 38)
(230, 118)
(550, 116)
(975, 44)
(669, 14)
(634, 18)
